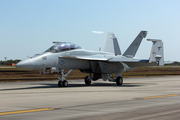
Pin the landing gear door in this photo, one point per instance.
(95, 66)
(106, 67)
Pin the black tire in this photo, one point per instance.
(119, 80)
(60, 83)
(87, 81)
(65, 83)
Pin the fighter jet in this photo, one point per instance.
(99, 64)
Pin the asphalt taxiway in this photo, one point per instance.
(137, 99)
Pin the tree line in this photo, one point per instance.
(9, 61)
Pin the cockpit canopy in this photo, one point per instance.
(63, 46)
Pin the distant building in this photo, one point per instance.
(10, 64)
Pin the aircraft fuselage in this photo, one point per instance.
(48, 60)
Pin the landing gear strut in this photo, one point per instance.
(87, 79)
(62, 81)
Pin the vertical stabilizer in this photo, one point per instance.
(111, 44)
(157, 54)
(132, 49)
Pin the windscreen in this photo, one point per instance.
(63, 47)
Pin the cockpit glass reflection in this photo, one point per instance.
(63, 47)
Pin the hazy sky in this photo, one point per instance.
(28, 27)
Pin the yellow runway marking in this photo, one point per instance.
(160, 96)
(25, 111)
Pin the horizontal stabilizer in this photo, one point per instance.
(132, 49)
(111, 44)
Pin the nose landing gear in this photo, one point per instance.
(62, 81)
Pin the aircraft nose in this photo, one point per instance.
(25, 64)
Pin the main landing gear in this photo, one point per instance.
(87, 79)
(118, 80)
(62, 81)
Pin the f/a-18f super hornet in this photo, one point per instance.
(99, 64)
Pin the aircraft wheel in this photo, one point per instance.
(65, 83)
(60, 83)
(119, 80)
(87, 81)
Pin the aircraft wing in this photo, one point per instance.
(86, 58)
(140, 64)
(130, 62)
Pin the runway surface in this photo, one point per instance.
(137, 99)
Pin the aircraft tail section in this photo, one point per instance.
(157, 54)
(111, 44)
(132, 49)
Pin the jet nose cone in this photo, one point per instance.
(25, 64)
